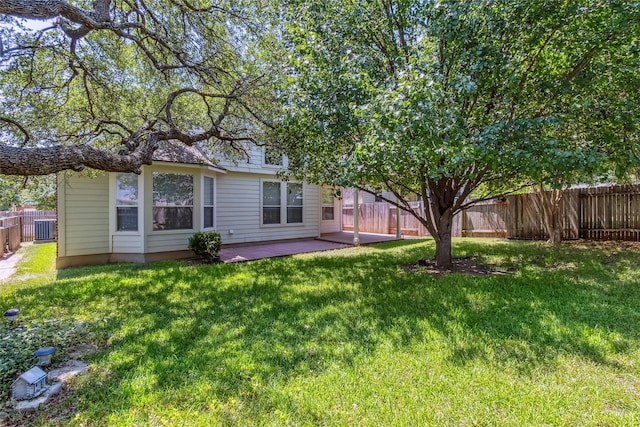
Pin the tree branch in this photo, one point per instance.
(19, 161)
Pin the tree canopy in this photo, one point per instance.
(100, 87)
(445, 98)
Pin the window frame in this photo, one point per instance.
(192, 205)
(284, 204)
(324, 205)
(213, 201)
(284, 161)
(294, 206)
(138, 205)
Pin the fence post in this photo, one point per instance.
(356, 214)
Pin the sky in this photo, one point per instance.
(36, 24)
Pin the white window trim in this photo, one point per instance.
(283, 204)
(215, 204)
(113, 211)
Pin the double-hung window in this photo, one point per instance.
(294, 202)
(126, 202)
(172, 201)
(327, 204)
(207, 202)
(271, 202)
(282, 202)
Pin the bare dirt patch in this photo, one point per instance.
(459, 265)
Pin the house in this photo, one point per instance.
(122, 217)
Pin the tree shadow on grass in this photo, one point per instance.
(229, 329)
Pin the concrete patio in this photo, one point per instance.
(239, 253)
(346, 237)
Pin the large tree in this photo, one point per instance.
(101, 86)
(446, 99)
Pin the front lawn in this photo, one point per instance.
(348, 337)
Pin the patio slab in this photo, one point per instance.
(323, 243)
(365, 238)
(269, 250)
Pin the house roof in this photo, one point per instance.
(176, 152)
(33, 375)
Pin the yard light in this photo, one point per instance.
(11, 314)
(44, 355)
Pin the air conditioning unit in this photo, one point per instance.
(44, 230)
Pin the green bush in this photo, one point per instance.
(206, 245)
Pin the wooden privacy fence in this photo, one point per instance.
(381, 218)
(9, 233)
(593, 213)
(525, 219)
(27, 221)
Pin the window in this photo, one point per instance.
(294, 203)
(207, 202)
(271, 202)
(378, 198)
(273, 156)
(413, 197)
(327, 204)
(172, 201)
(273, 209)
(126, 202)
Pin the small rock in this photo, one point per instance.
(82, 350)
(30, 405)
(81, 326)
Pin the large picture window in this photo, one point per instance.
(126, 202)
(172, 201)
(282, 202)
(207, 202)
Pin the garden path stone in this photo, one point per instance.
(29, 405)
(59, 376)
(81, 350)
(69, 370)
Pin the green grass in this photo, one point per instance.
(350, 338)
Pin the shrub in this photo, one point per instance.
(206, 245)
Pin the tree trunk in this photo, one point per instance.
(555, 236)
(548, 207)
(443, 240)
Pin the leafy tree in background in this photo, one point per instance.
(42, 191)
(447, 98)
(103, 85)
(9, 192)
(18, 191)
